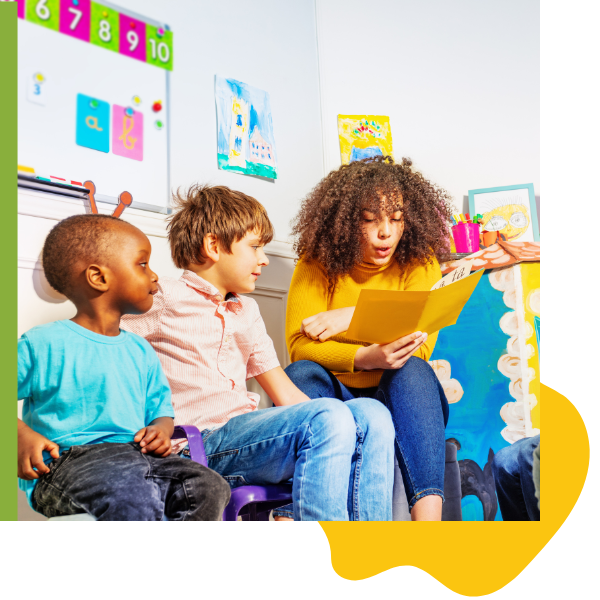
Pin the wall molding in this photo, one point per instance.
(43, 205)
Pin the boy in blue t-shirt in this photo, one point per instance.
(97, 417)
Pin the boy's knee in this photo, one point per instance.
(373, 417)
(334, 417)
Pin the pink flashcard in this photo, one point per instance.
(21, 9)
(75, 18)
(127, 132)
(132, 37)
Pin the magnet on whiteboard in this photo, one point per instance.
(129, 111)
(39, 78)
(132, 24)
(160, 32)
(105, 14)
(93, 103)
(137, 100)
(157, 106)
(158, 124)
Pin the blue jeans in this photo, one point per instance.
(339, 456)
(512, 468)
(419, 412)
(116, 482)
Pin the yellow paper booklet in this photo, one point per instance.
(382, 316)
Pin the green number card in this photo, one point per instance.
(43, 12)
(159, 47)
(104, 27)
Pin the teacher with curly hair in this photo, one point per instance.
(373, 224)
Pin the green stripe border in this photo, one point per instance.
(8, 257)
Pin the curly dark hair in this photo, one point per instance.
(89, 238)
(328, 227)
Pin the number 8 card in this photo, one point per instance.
(104, 27)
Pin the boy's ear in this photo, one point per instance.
(96, 278)
(210, 247)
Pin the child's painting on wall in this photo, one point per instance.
(510, 210)
(245, 142)
(364, 136)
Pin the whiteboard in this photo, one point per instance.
(48, 130)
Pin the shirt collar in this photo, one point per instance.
(210, 291)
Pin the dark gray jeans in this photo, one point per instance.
(116, 482)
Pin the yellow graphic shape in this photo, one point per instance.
(511, 220)
(489, 549)
(364, 131)
(128, 141)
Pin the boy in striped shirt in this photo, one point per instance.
(211, 339)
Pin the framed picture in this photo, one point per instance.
(509, 209)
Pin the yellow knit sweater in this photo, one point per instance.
(308, 296)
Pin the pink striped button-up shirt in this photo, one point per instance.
(208, 348)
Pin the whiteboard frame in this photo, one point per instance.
(141, 205)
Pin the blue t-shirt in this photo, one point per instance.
(81, 387)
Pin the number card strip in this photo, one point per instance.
(103, 26)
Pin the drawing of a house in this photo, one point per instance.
(260, 150)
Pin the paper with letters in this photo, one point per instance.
(383, 316)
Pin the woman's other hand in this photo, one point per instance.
(389, 356)
(326, 324)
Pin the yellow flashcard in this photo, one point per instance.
(383, 316)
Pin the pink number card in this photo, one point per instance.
(75, 18)
(132, 37)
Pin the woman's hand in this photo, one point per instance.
(327, 324)
(389, 356)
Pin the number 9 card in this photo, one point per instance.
(132, 37)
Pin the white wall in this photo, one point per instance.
(459, 80)
(269, 44)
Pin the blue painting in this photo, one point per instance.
(245, 140)
(475, 423)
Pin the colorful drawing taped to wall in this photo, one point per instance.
(132, 37)
(92, 127)
(75, 18)
(509, 210)
(364, 136)
(36, 91)
(245, 139)
(127, 132)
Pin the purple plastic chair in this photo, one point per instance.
(251, 502)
